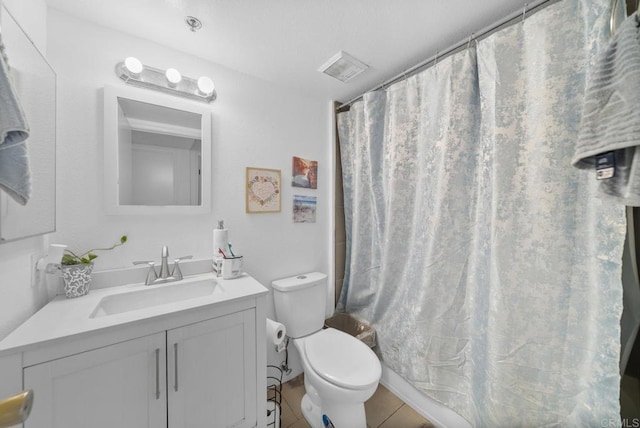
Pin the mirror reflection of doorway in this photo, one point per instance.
(160, 151)
(167, 170)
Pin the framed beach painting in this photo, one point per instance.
(304, 209)
(263, 190)
(305, 173)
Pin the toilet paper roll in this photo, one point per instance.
(220, 240)
(275, 332)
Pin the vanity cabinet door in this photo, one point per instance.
(122, 385)
(212, 372)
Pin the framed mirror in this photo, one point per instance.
(157, 153)
(35, 84)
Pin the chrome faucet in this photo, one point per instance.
(164, 266)
(165, 275)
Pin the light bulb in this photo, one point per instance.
(205, 85)
(173, 77)
(133, 65)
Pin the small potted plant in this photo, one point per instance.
(76, 269)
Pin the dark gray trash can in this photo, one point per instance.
(354, 326)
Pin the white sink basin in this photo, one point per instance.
(154, 295)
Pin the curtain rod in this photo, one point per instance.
(527, 10)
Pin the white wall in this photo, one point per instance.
(254, 124)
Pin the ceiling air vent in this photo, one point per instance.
(343, 67)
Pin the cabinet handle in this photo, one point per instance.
(157, 373)
(175, 363)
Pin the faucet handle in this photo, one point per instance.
(151, 274)
(177, 273)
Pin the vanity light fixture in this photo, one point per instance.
(133, 66)
(205, 86)
(173, 77)
(133, 72)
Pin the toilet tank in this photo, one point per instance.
(300, 303)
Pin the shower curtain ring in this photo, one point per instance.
(469, 42)
(524, 12)
(435, 60)
(612, 19)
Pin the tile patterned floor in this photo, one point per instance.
(384, 410)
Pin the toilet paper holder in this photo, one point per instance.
(276, 334)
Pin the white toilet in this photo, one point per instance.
(340, 372)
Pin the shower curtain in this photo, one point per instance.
(487, 264)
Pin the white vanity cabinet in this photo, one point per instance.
(196, 364)
(212, 373)
(114, 386)
(203, 373)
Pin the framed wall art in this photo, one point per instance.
(304, 209)
(263, 189)
(305, 173)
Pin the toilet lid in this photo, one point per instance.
(342, 359)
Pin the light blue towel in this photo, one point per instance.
(611, 115)
(15, 177)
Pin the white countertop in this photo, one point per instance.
(62, 317)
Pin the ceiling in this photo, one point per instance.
(286, 41)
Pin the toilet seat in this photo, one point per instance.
(342, 359)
